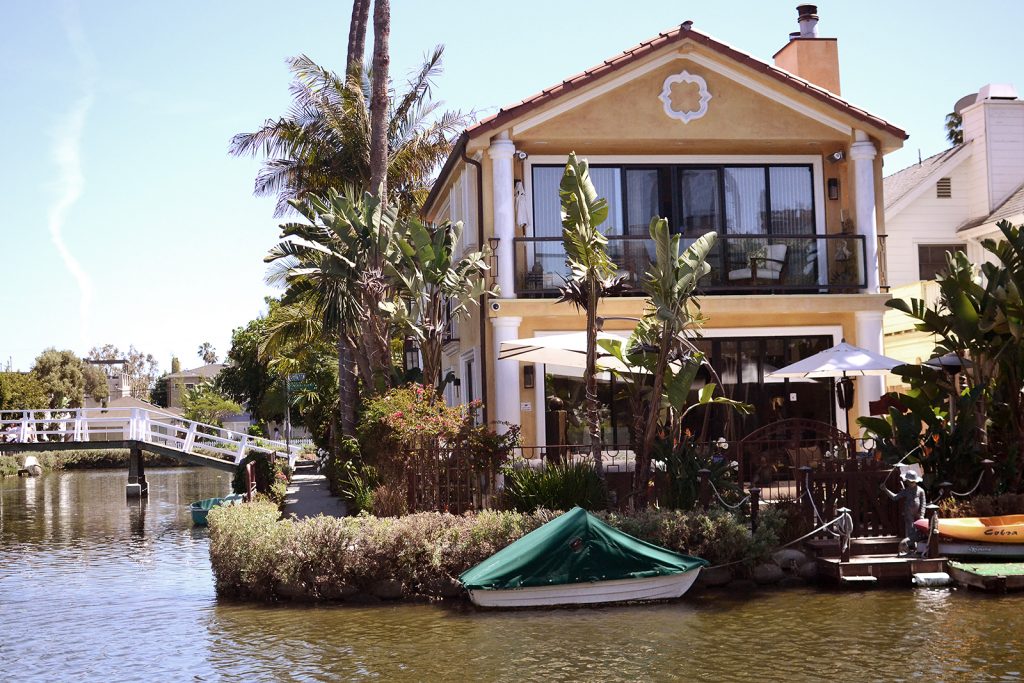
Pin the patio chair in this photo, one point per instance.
(765, 263)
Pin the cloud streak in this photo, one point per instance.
(66, 150)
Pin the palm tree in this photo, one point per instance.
(379, 98)
(207, 353)
(324, 139)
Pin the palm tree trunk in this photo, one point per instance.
(593, 404)
(357, 38)
(346, 387)
(379, 98)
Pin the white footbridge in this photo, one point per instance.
(139, 429)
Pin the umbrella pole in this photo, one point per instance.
(847, 409)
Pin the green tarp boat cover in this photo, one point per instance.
(575, 548)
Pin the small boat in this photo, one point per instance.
(576, 559)
(1004, 529)
(32, 467)
(201, 508)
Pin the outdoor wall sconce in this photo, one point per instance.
(528, 376)
(493, 243)
(410, 354)
(833, 188)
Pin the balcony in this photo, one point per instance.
(740, 264)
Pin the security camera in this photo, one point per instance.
(838, 155)
(495, 306)
(521, 155)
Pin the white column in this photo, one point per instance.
(506, 373)
(862, 153)
(869, 336)
(504, 221)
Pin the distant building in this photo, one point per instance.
(952, 201)
(118, 381)
(180, 382)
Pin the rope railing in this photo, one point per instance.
(977, 485)
(714, 490)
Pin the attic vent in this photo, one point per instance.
(944, 188)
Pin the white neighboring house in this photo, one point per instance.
(950, 201)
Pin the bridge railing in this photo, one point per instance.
(97, 425)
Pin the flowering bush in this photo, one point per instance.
(409, 419)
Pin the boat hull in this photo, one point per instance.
(1007, 529)
(666, 587)
(952, 548)
(201, 508)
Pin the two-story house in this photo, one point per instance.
(769, 156)
(952, 201)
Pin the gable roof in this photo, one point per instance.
(208, 371)
(677, 35)
(1012, 206)
(684, 31)
(903, 183)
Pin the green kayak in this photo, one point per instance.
(201, 508)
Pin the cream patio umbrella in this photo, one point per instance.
(567, 350)
(841, 361)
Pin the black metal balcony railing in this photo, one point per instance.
(740, 264)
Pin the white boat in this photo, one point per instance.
(667, 587)
(576, 559)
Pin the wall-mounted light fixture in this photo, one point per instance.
(833, 188)
(837, 155)
(410, 353)
(528, 376)
(493, 242)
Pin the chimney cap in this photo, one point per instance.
(807, 10)
(997, 91)
(687, 25)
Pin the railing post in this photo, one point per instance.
(23, 430)
(190, 438)
(988, 477)
(755, 507)
(704, 494)
(932, 513)
(250, 481)
(240, 455)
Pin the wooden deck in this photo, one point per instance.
(997, 577)
(872, 561)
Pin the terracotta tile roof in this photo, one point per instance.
(902, 182)
(679, 34)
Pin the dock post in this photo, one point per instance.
(137, 486)
(704, 494)
(755, 507)
(845, 533)
(945, 490)
(988, 477)
(932, 511)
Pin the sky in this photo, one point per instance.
(124, 220)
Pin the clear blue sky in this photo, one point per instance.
(125, 221)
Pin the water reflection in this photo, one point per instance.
(119, 589)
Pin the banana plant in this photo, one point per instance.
(434, 289)
(592, 273)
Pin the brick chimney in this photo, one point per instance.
(806, 55)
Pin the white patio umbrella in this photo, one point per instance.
(567, 350)
(841, 361)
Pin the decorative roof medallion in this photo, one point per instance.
(685, 96)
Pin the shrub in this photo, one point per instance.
(255, 554)
(983, 506)
(388, 500)
(556, 486)
(107, 458)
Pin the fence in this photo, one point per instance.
(448, 480)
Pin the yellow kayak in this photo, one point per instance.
(1004, 529)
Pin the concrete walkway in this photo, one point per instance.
(308, 496)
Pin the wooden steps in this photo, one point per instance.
(870, 569)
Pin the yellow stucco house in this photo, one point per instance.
(683, 126)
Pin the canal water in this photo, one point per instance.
(95, 588)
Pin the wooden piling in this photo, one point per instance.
(704, 495)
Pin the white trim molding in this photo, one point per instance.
(702, 92)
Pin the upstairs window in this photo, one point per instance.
(944, 188)
(931, 258)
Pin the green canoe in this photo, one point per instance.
(201, 508)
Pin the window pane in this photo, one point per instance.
(608, 183)
(547, 208)
(931, 258)
(745, 201)
(792, 200)
(642, 199)
(698, 193)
